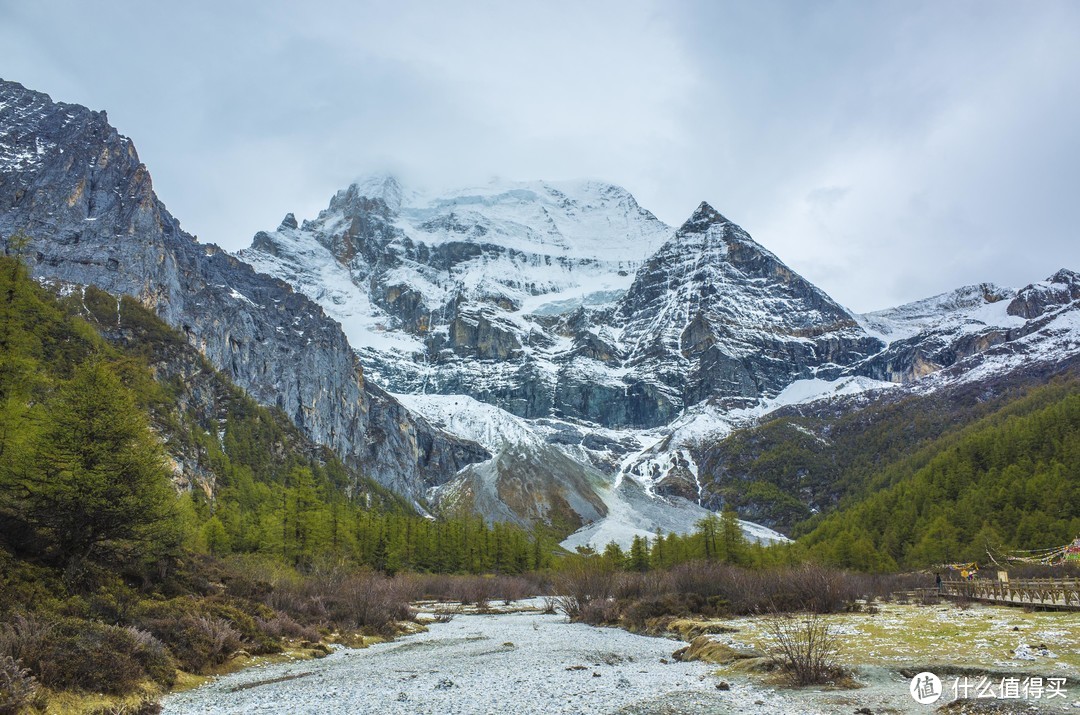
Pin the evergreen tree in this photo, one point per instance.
(639, 554)
(709, 528)
(99, 489)
(732, 543)
(613, 556)
(215, 537)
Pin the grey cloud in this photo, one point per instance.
(887, 150)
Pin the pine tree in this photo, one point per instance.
(215, 536)
(733, 545)
(709, 528)
(613, 556)
(639, 554)
(99, 490)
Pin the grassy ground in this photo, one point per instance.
(991, 638)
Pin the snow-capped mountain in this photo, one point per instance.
(429, 288)
(534, 351)
(591, 348)
(563, 300)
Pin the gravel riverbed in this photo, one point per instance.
(524, 662)
(519, 663)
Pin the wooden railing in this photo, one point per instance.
(1039, 592)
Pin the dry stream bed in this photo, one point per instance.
(522, 661)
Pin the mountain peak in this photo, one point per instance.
(1064, 276)
(381, 185)
(1039, 298)
(703, 217)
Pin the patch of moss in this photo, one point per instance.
(706, 649)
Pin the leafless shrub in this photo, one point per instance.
(344, 599)
(282, 625)
(477, 591)
(24, 637)
(513, 588)
(713, 589)
(580, 584)
(366, 600)
(18, 688)
(550, 605)
(218, 637)
(147, 643)
(472, 589)
(806, 648)
(599, 611)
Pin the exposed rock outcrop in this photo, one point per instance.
(77, 189)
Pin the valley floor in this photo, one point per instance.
(524, 662)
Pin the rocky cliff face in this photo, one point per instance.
(77, 189)
(1038, 299)
(467, 292)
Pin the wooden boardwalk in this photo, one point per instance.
(1049, 593)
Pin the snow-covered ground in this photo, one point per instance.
(970, 309)
(633, 509)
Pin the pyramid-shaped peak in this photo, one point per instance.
(703, 217)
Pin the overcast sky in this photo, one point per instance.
(887, 151)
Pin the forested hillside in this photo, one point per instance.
(1009, 481)
(153, 517)
(253, 483)
(804, 461)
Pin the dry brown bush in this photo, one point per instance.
(714, 589)
(470, 589)
(806, 648)
(282, 625)
(580, 584)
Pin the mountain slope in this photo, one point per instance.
(76, 188)
(714, 315)
(431, 288)
(1008, 481)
